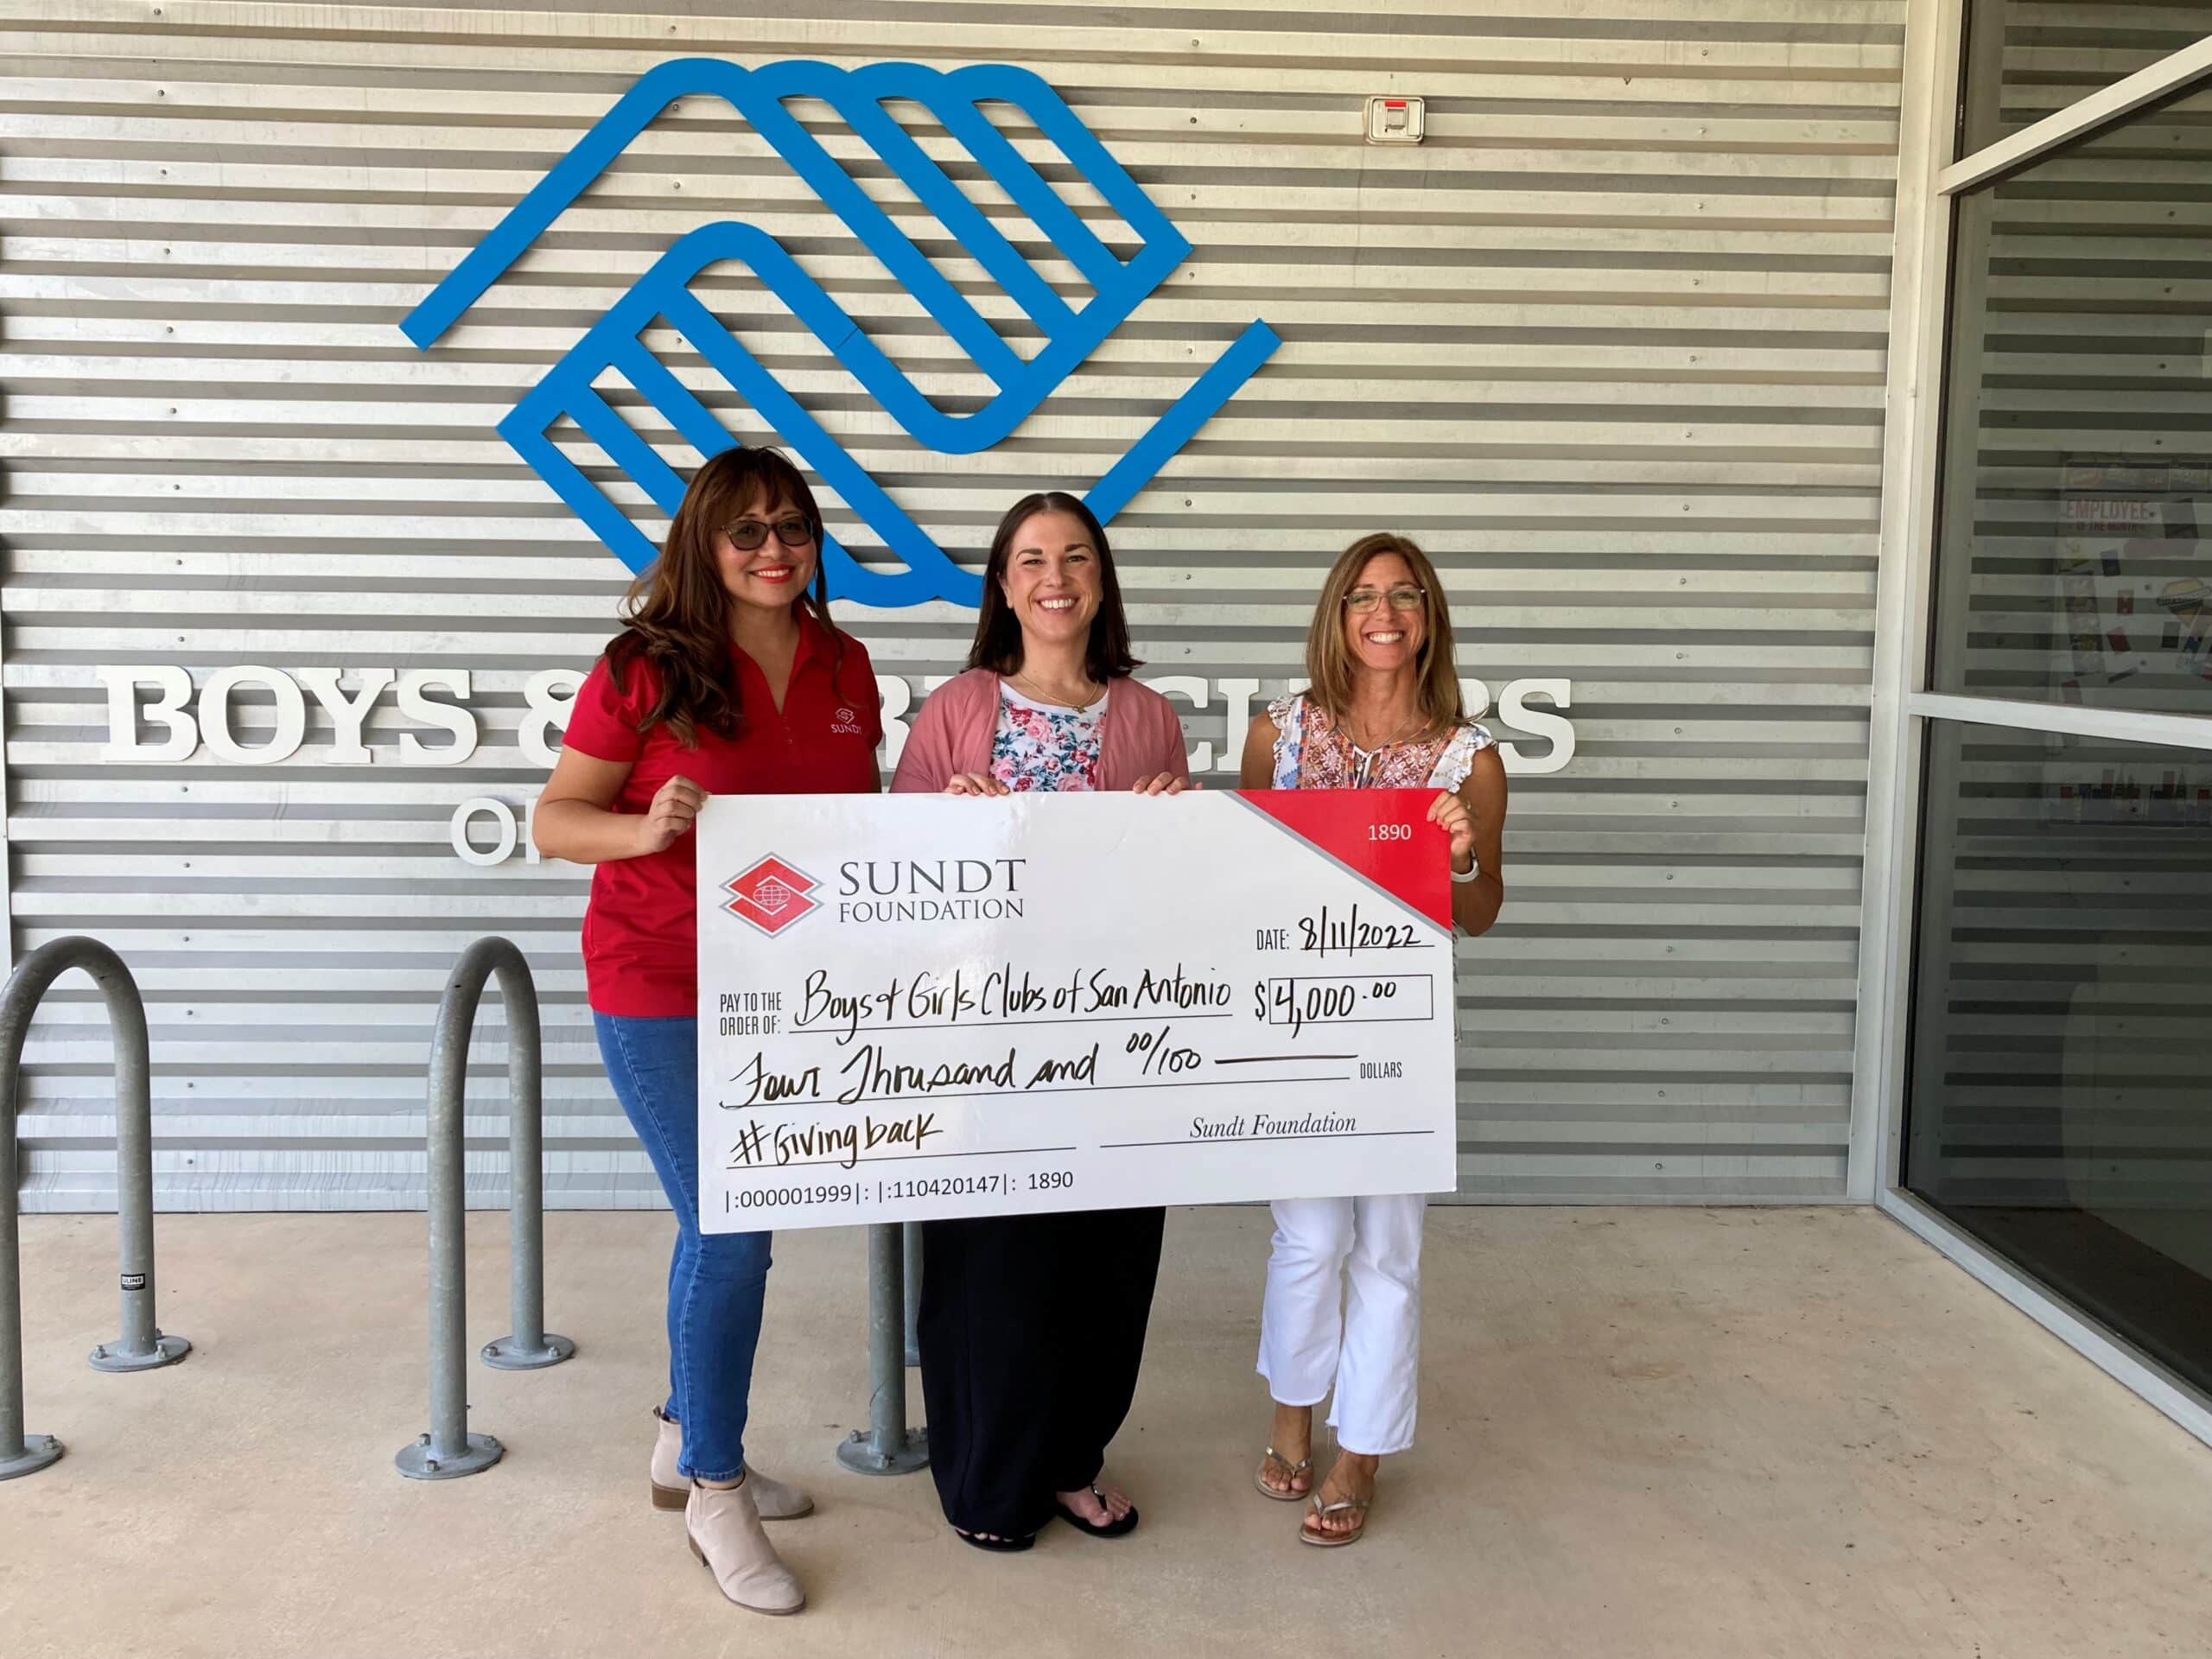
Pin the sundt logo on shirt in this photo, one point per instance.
(772, 895)
(1059, 328)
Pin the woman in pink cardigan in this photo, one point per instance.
(1032, 1327)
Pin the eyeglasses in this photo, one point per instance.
(749, 533)
(1361, 600)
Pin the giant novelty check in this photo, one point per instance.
(919, 1006)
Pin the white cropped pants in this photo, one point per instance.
(1342, 1314)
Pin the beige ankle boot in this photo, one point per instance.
(724, 1533)
(670, 1490)
(776, 1500)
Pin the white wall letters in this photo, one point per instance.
(1192, 687)
(1237, 695)
(172, 707)
(124, 709)
(449, 716)
(551, 694)
(506, 831)
(1517, 713)
(898, 697)
(215, 715)
(347, 715)
(486, 831)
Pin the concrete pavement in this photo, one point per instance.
(1649, 1432)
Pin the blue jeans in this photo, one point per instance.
(717, 1281)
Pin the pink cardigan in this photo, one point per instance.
(1140, 736)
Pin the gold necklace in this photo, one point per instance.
(1041, 695)
(1388, 742)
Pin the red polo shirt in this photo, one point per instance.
(641, 929)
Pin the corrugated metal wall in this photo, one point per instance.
(1610, 344)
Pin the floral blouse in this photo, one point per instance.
(1312, 752)
(1042, 745)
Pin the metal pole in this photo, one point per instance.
(20, 1453)
(888, 1448)
(527, 1347)
(142, 1346)
(914, 1232)
(450, 1450)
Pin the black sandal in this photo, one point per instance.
(996, 1545)
(1120, 1529)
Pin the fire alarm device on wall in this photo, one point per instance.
(1394, 120)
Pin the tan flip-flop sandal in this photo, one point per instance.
(1292, 1472)
(1335, 1540)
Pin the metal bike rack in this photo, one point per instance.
(142, 1346)
(914, 1232)
(888, 1447)
(450, 1450)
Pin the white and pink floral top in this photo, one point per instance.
(1042, 745)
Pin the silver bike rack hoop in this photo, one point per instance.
(887, 1445)
(450, 1450)
(142, 1347)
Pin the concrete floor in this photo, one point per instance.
(1658, 1431)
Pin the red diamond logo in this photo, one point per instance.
(772, 895)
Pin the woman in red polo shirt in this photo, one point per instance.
(728, 679)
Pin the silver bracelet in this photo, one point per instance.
(1474, 873)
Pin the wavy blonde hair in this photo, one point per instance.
(1330, 665)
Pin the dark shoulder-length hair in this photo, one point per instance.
(998, 631)
(1329, 663)
(676, 614)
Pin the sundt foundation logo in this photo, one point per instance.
(771, 896)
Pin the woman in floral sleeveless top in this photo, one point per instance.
(1342, 1314)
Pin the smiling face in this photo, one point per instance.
(1052, 581)
(1385, 640)
(773, 574)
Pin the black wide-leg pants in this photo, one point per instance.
(1032, 1331)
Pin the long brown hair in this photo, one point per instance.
(1329, 663)
(676, 614)
(998, 631)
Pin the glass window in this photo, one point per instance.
(2028, 59)
(2074, 535)
(2060, 1103)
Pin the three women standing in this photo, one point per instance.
(1032, 1327)
(730, 679)
(1342, 1313)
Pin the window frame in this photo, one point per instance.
(1930, 177)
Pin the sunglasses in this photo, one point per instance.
(749, 533)
(1361, 600)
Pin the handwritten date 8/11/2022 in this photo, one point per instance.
(1328, 933)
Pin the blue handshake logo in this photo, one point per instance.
(1070, 335)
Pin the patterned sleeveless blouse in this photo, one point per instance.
(1312, 752)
